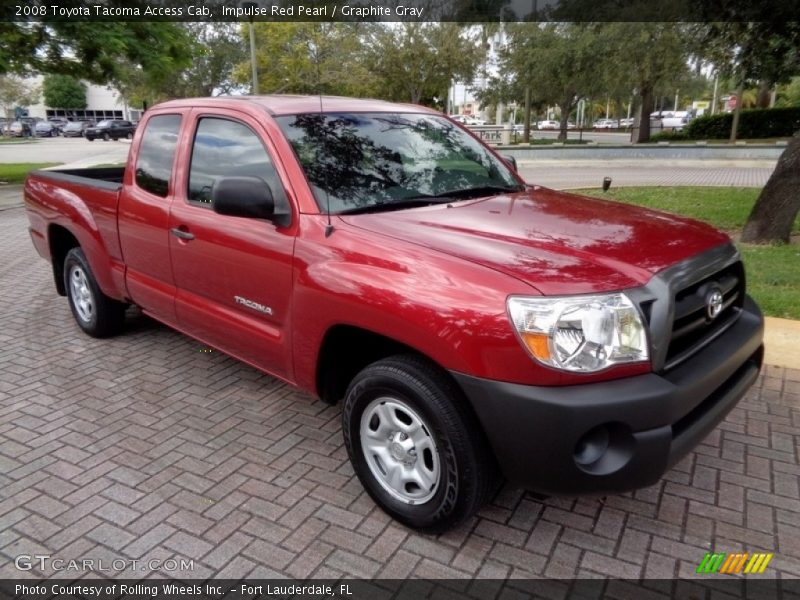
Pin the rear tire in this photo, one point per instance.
(94, 312)
(417, 450)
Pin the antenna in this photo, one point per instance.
(329, 226)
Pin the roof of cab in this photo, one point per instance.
(280, 104)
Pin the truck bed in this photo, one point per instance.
(109, 178)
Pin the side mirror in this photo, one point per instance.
(512, 162)
(243, 197)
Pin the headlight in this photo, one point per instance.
(580, 333)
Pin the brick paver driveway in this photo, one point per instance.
(145, 447)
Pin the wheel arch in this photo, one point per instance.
(60, 241)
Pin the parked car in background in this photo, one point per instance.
(58, 122)
(468, 120)
(606, 124)
(110, 130)
(675, 120)
(76, 128)
(45, 129)
(548, 125)
(18, 129)
(627, 122)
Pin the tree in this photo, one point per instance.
(216, 51)
(644, 57)
(558, 62)
(778, 203)
(99, 51)
(765, 48)
(14, 92)
(765, 52)
(417, 62)
(310, 58)
(64, 91)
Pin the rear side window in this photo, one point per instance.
(154, 164)
(228, 148)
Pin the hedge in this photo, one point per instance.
(758, 123)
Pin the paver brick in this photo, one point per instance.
(142, 447)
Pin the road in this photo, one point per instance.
(559, 174)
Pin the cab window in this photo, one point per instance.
(156, 153)
(223, 147)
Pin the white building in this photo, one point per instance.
(102, 102)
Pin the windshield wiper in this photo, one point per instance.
(484, 190)
(414, 202)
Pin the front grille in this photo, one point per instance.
(692, 328)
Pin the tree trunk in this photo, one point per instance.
(737, 111)
(642, 133)
(764, 94)
(777, 206)
(566, 108)
(526, 134)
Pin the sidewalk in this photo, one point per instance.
(780, 343)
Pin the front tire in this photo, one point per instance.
(94, 312)
(417, 450)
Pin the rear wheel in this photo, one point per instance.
(129, 136)
(416, 449)
(97, 314)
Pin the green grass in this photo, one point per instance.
(773, 278)
(11, 140)
(16, 172)
(773, 272)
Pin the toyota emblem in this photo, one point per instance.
(713, 304)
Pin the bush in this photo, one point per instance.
(669, 136)
(758, 123)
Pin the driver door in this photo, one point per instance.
(233, 274)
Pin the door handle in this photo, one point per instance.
(181, 233)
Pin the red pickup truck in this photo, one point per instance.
(473, 325)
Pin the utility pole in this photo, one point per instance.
(714, 98)
(252, 6)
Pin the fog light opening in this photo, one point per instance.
(592, 446)
(605, 449)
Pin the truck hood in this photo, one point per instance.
(557, 242)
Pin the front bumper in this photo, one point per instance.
(621, 434)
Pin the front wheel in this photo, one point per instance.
(97, 314)
(415, 447)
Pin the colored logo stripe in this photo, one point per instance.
(733, 564)
(758, 563)
(711, 562)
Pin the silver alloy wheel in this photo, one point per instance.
(81, 294)
(400, 450)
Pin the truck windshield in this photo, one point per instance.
(356, 162)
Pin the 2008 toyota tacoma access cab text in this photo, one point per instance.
(379, 254)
